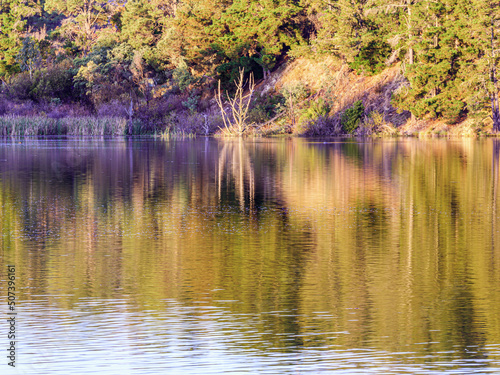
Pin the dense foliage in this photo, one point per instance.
(123, 51)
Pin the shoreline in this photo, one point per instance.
(36, 126)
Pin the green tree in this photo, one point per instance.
(455, 61)
(221, 37)
(144, 23)
(13, 22)
(29, 56)
(191, 35)
(485, 31)
(355, 30)
(84, 20)
(253, 34)
(432, 77)
(106, 74)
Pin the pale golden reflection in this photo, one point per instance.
(235, 163)
(391, 244)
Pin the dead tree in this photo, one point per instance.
(235, 122)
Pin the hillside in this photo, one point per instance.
(326, 68)
(336, 83)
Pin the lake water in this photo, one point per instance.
(260, 256)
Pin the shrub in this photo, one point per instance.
(294, 93)
(453, 110)
(316, 109)
(295, 90)
(52, 83)
(46, 85)
(352, 117)
(159, 110)
(183, 78)
(265, 108)
(25, 108)
(371, 58)
(20, 86)
(192, 102)
(115, 108)
(258, 115)
(229, 72)
(322, 126)
(314, 115)
(4, 106)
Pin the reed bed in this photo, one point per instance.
(39, 125)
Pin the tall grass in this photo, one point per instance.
(38, 125)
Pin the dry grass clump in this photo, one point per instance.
(38, 125)
(181, 123)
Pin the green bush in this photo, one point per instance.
(352, 117)
(453, 110)
(258, 115)
(183, 78)
(55, 101)
(20, 86)
(51, 83)
(45, 85)
(294, 93)
(315, 110)
(192, 102)
(295, 90)
(228, 72)
(371, 58)
(265, 108)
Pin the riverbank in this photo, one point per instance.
(303, 97)
(19, 126)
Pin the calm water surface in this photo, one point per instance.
(260, 256)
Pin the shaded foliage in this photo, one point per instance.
(352, 116)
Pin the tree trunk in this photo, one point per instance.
(410, 37)
(495, 112)
(130, 115)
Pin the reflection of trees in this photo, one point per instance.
(387, 237)
(494, 191)
(235, 163)
(416, 218)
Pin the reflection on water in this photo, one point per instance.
(261, 256)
